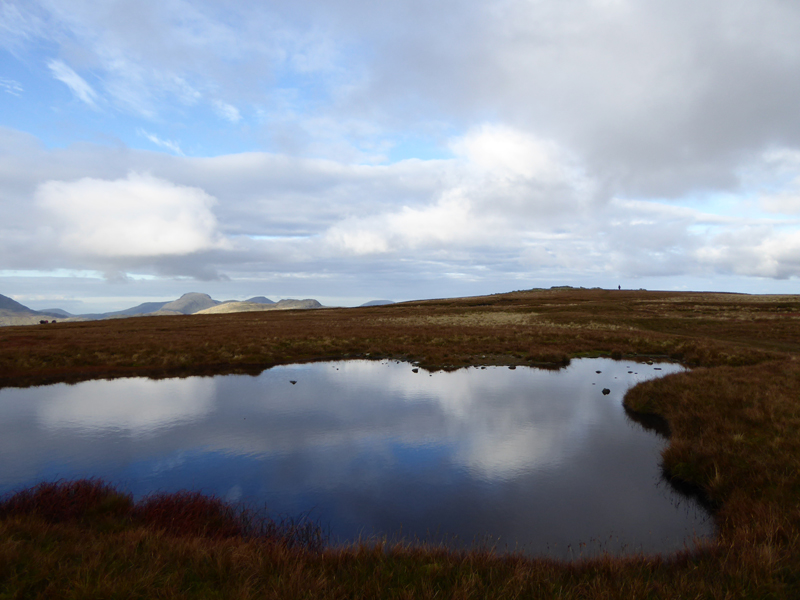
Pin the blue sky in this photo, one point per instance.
(349, 150)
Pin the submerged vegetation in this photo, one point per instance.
(734, 422)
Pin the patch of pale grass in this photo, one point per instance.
(496, 319)
(591, 325)
(470, 319)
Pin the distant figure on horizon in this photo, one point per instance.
(619, 287)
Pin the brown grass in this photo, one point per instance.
(534, 328)
(95, 504)
(85, 539)
(734, 422)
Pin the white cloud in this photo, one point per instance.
(11, 87)
(74, 82)
(447, 222)
(416, 228)
(653, 99)
(227, 111)
(19, 25)
(186, 93)
(786, 201)
(139, 216)
(755, 251)
(168, 144)
(505, 186)
(508, 152)
(783, 158)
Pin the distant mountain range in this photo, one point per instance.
(14, 313)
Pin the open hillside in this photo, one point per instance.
(249, 306)
(14, 313)
(733, 422)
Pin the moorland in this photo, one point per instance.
(733, 422)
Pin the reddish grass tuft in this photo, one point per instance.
(61, 501)
(189, 513)
(178, 514)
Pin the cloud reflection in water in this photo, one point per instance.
(138, 406)
(532, 457)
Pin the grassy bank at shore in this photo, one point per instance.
(734, 422)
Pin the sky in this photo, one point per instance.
(351, 150)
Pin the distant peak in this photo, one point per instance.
(9, 304)
(260, 300)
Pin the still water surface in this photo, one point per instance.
(532, 460)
